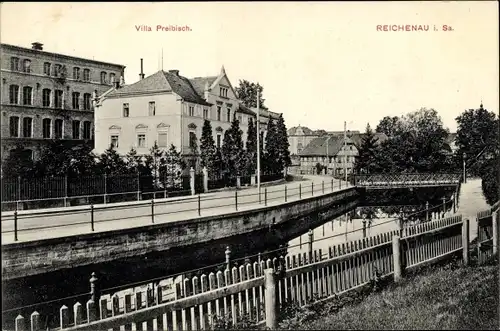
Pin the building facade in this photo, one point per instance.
(170, 109)
(47, 96)
(334, 152)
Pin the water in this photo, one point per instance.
(293, 237)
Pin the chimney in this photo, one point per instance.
(175, 72)
(141, 75)
(38, 46)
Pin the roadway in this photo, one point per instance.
(35, 225)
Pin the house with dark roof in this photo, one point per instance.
(333, 152)
(169, 108)
(300, 136)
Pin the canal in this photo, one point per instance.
(52, 290)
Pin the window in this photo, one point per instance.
(58, 129)
(87, 101)
(125, 110)
(27, 127)
(162, 139)
(111, 78)
(14, 64)
(57, 70)
(46, 97)
(14, 94)
(218, 113)
(114, 141)
(205, 113)
(219, 136)
(347, 158)
(86, 75)
(76, 129)
(86, 130)
(191, 111)
(229, 114)
(27, 65)
(76, 73)
(152, 108)
(47, 126)
(192, 139)
(14, 126)
(76, 100)
(223, 92)
(46, 68)
(58, 98)
(103, 77)
(27, 95)
(141, 140)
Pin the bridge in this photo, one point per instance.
(39, 241)
(405, 180)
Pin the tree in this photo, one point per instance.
(54, 160)
(391, 126)
(207, 147)
(283, 144)
(490, 178)
(82, 161)
(271, 159)
(18, 163)
(477, 137)
(174, 166)
(366, 161)
(135, 163)
(233, 153)
(111, 163)
(193, 146)
(251, 148)
(247, 92)
(218, 165)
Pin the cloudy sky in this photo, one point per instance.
(320, 63)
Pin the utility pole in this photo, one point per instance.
(258, 142)
(464, 173)
(327, 158)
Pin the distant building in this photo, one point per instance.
(451, 141)
(300, 136)
(48, 96)
(168, 108)
(333, 152)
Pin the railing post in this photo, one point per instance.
(323, 186)
(300, 191)
(312, 188)
(138, 186)
(236, 199)
(92, 217)
(94, 297)
(332, 185)
(15, 225)
(285, 193)
(340, 183)
(427, 211)
(265, 196)
(494, 222)
(396, 254)
(270, 299)
(199, 205)
(444, 205)
(364, 228)
(105, 188)
(228, 258)
(260, 200)
(310, 242)
(18, 191)
(152, 210)
(465, 241)
(65, 190)
(454, 202)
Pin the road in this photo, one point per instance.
(62, 222)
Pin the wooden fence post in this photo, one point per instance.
(465, 241)
(35, 321)
(494, 222)
(20, 325)
(78, 313)
(396, 254)
(64, 316)
(91, 311)
(271, 302)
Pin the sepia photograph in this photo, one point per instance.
(255, 165)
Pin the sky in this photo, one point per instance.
(320, 63)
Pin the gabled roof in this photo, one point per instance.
(293, 131)
(357, 138)
(163, 81)
(200, 82)
(451, 137)
(317, 146)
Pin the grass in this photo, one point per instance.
(444, 297)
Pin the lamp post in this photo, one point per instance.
(464, 173)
